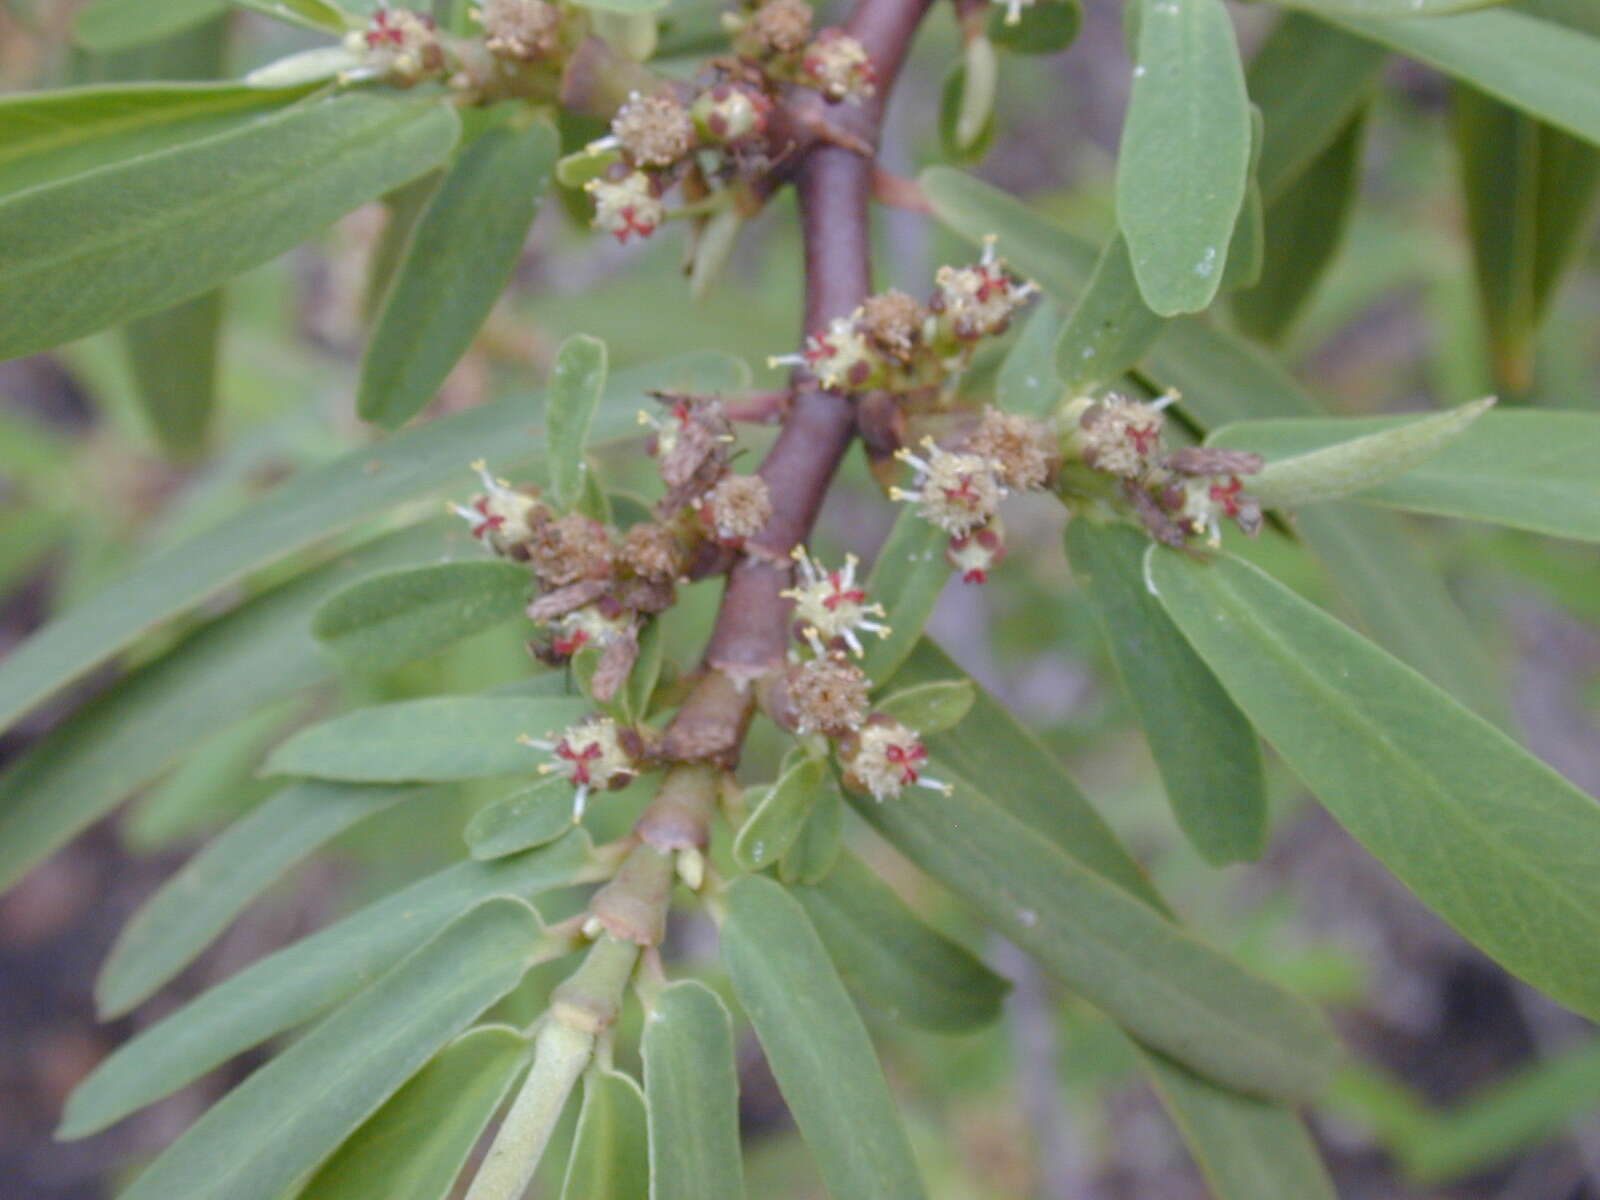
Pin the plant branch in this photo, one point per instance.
(834, 183)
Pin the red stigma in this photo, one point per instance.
(1143, 437)
(568, 646)
(580, 760)
(839, 595)
(964, 494)
(1228, 496)
(976, 575)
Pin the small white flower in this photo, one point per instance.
(977, 301)
(955, 491)
(499, 515)
(588, 626)
(590, 754)
(838, 66)
(626, 207)
(840, 356)
(1121, 436)
(887, 759)
(828, 605)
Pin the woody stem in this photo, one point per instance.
(834, 185)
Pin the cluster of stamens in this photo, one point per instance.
(1177, 495)
(830, 607)
(591, 754)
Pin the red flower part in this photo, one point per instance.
(580, 759)
(568, 646)
(1144, 437)
(1228, 496)
(841, 594)
(906, 758)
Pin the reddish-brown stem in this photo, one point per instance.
(751, 634)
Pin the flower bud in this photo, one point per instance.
(730, 112)
(521, 29)
(838, 66)
(653, 131)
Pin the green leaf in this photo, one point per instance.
(576, 382)
(1309, 79)
(691, 1084)
(48, 137)
(1247, 245)
(960, 108)
(294, 984)
(106, 26)
(1305, 226)
(1205, 749)
(1111, 327)
(1528, 190)
(1387, 8)
(821, 839)
(610, 1152)
(778, 820)
(1497, 843)
(277, 1125)
(816, 1045)
(1185, 153)
(1169, 990)
(627, 8)
(526, 818)
(907, 578)
(892, 961)
(416, 1144)
(171, 928)
(173, 356)
(1543, 68)
(1247, 1149)
(149, 232)
(210, 680)
(366, 482)
(311, 14)
(930, 707)
(1027, 382)
(1527, 469)
(456, 262)
(436, 739)
(1043, 27)
(399, 616)
(1357, 463)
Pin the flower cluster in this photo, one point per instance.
(398, 45)
(776, 37)
(830, 607)
(959, 490)
(1177, 495)
(893, 343)
(523, 30)
(592, 754)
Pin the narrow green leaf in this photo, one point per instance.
(399, 616)
(1497, 843)
(933, 707)
(215, 677)
(173, 356)
(640, 689)
(821, 839)
(526, 818)
(1248, 242)
(311, 14)
(816, 1045)
(1027, 382)
(171, 928)
(610, 1152)
(1247, 1149)
(781, 816)
(1387, 8)
(1527, 469)
(440, 738)
(403, 208)
(1543, 68)
(576, 382)
(892, 961)
(294, 984)
(1305, 226)
(1205, 749)
(276, 1126)
(456, 262)
(366, 482)
(152, 231)
(1185, 153)
(691, 1083)
(1169, 990)
(50, 136)
(415, 1145)
(1111, 327)
(106, 26)
(907, 578)
(1309, 79)
(1353, 465)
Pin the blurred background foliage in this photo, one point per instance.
(1502, 1090)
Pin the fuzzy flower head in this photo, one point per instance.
(776, 29)
(893, 323)
(738, 507)
(522, 29)
(1020, 450)
(1121, 436)
(977, 301)
(397, 44)
(501, 517)
(884, 758)
(626, 207)
(653, 131)
(730, 112)
(590, 754)
(829, 606)
(569, 549)
(954, 490)
(838, 66)
(826, 695)
(840, 357)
